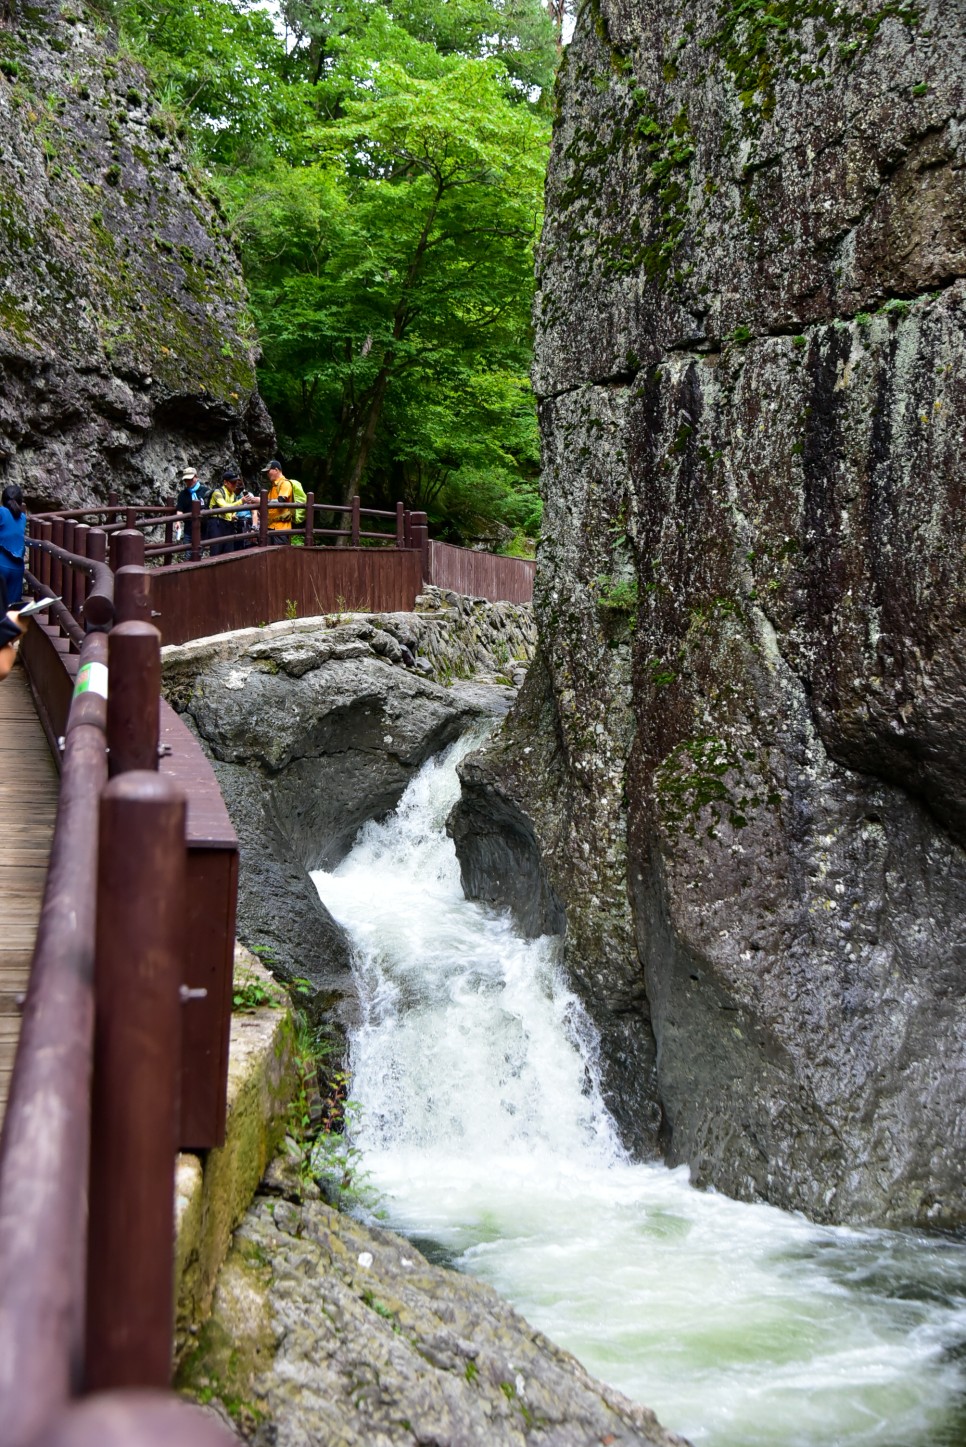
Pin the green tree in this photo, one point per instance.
(383, 168)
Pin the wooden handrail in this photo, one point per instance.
(98, 606)
(154, 515)
(64, 1328)
(44, 1143)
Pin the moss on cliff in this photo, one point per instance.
(766, 40)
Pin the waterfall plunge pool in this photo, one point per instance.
(482, 1128)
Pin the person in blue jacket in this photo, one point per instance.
(10, 631)
(13, 526)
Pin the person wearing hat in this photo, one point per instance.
(279, 491)
(228, 525)
(192, 488)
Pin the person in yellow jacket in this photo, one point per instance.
(279, 490)
(228, 525)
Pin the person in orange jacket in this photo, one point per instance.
(279, 490)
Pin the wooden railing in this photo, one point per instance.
(123, 1050)
(93, 1119)
(70, 528)
(361, 531)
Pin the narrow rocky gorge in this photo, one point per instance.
(315, 726)
(322, 1327)
(737, 765)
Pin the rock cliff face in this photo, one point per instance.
(747, 748)
(125, 350)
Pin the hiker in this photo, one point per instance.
(229, 525)
(279, 490)
(13, 527)
(192, 488)
(247, 530)
(11, 629)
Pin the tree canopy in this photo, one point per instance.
(382, 167)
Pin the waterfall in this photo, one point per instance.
(481, 1124)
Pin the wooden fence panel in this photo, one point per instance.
(243, 590)
(480, 575)
(209, 911)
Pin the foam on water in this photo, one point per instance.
(482, 1125)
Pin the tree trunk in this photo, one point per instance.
(367, 432)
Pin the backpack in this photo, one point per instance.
(298, 495)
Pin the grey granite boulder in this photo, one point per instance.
(312, 731)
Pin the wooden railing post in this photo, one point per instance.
(134, 1100)
(132, 595)
(169, 532)
(127, 549)
(81, 580)
(195, 529)
(408, 528)
(42, 529)
(133, 718)
(131, 518)
(56, 566)
(112, 498)
(97, 545)
(67, 580)
(419, 531)
(309, 519)
(400, 525)
(263, 518)
(356, 522)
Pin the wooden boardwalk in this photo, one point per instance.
(28, 804)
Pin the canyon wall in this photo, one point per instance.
(738, 764)
(125, 349)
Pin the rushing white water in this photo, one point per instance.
(482, 1126)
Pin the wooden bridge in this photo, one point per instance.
(119, 882)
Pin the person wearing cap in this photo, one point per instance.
(228, 525)
(279, 490)
(191, 488)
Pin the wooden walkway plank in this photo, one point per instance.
(28, 807)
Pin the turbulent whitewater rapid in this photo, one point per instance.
(482, 1126)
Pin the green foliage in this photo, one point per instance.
(251, 995)
(381, 166)
(618, 594)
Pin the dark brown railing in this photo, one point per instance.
(481, 574)
(123, 1050)
(408, 528)
(93, 1119)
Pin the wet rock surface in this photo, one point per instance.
(746, 749)
(325, 1331)
(125, 352)
(313, 730)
